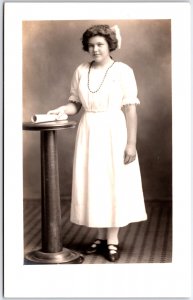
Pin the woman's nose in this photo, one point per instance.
(95, 48)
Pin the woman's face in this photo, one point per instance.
(98, 48)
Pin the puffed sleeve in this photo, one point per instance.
(74, 95)
(129, 86)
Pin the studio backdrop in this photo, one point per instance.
(51, 52)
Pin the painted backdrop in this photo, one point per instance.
(51, 52)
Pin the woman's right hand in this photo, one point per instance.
(58, 111)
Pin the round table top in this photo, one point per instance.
(48, 125)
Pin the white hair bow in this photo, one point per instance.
(116, 29)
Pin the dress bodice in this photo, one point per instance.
(119, 88)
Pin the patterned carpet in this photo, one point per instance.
(142, 242)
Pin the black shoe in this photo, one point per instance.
(112, 252)
(98, 247)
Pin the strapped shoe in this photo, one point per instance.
(112, 252)
(98, 247)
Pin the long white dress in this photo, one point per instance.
(105, 191)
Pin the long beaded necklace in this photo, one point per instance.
(102, 79)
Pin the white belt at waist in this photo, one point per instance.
(103, 111)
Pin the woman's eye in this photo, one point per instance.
(90, 46)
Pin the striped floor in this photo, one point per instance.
(142, 242)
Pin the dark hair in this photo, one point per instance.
(100, 30)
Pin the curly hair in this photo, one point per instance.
(100, 30)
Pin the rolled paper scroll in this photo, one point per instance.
(40, 118)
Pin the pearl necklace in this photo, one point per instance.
(102, 79)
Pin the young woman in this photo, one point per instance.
(106, 189)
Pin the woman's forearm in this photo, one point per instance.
(131, 122)
(72, 108)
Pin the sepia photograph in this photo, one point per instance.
(98, 129)
(111, 79)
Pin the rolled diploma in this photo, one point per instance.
(40, 118)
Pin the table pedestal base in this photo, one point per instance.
(63, 257)
(52, 251)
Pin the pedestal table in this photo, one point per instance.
(52, 251)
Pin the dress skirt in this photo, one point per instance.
(105, 191)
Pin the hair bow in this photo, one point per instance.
(116, 29)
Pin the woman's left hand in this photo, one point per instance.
(129, 154)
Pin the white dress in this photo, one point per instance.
(105, 191)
